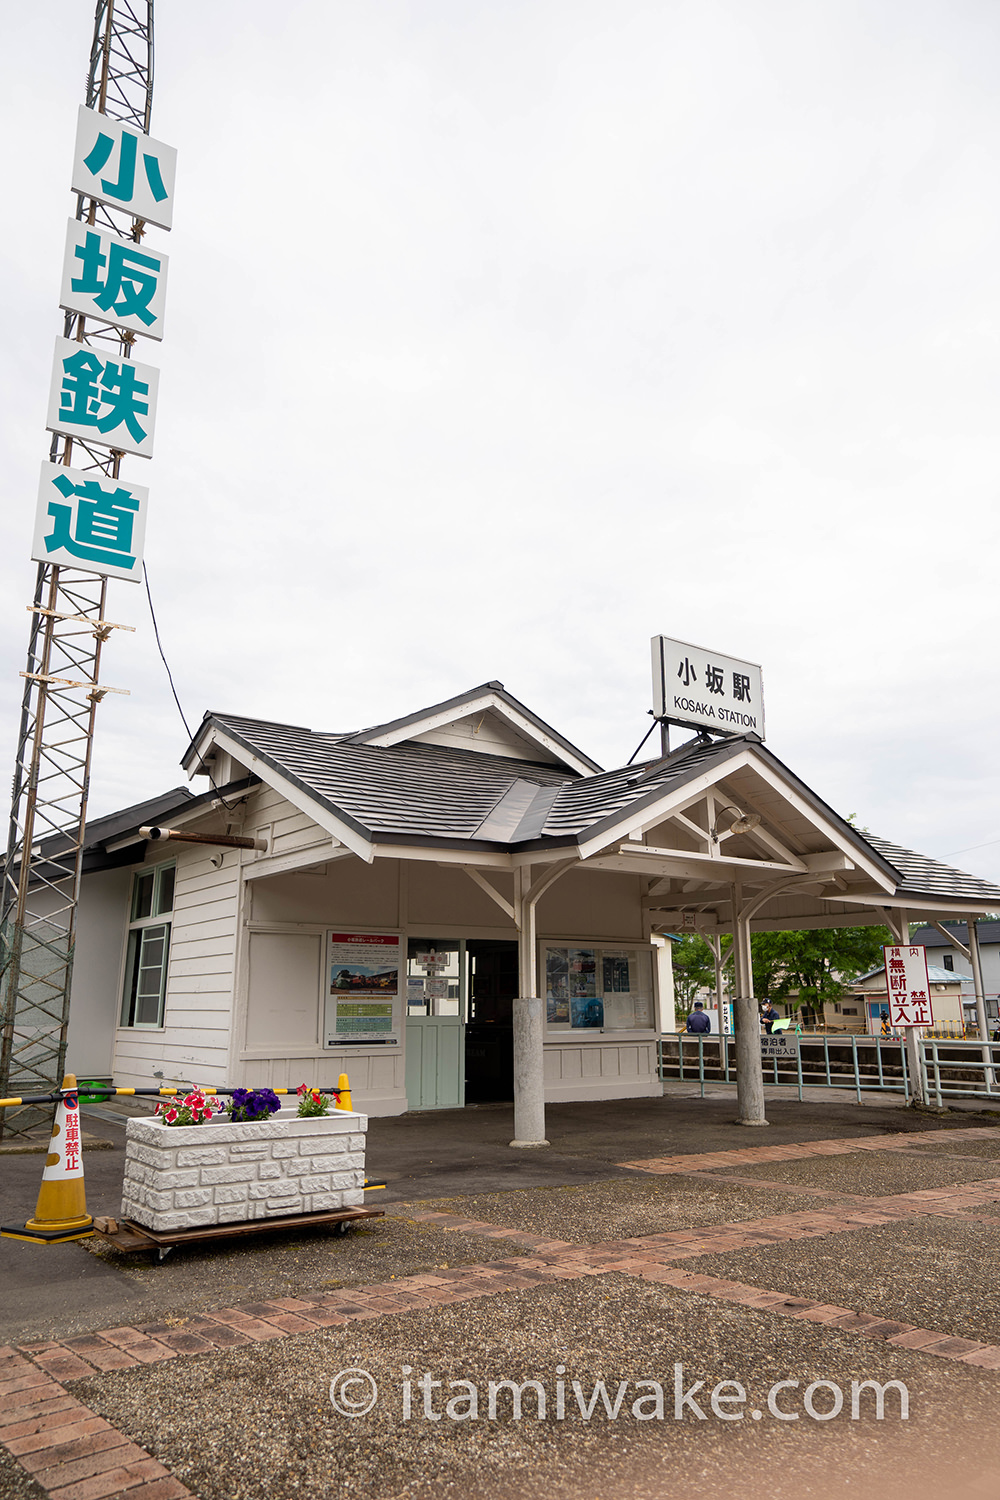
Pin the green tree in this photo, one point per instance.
(694, 970)
(819, 965)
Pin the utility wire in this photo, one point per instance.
(170, 679)
(163, 658)
(968, 847)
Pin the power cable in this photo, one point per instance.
(173, 689)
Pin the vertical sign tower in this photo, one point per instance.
(89, 527)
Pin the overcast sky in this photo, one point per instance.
(502, 336)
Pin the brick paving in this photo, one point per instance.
(75, 1455)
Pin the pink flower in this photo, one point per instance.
(170, 1116)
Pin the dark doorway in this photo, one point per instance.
(489, 1034)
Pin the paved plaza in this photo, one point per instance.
(679, 1306)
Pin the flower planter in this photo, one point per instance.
(185, 1176)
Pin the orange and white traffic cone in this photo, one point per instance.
(344, 1093)
(61, 1212)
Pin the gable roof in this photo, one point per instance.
(935, 974)
(382, 789)
(488, 698)
(923, 876)
(929, 937)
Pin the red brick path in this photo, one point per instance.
(75, 1455)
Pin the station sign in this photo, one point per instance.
(908, 985)
(112, 280)
(692, 685)
(124, 169)
(96, 395)
(88, 521)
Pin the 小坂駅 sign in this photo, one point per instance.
(706, 689)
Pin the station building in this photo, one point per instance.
(416, 884)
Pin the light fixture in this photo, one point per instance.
(742, 823)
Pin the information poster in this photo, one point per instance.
(362, 998)
(609, 989)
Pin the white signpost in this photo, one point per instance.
(112, 280)
(101, 397)
(780, 1045)
(908, 986)
(705, 688)
(124, 169)
(88, 520)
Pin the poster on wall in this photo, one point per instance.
(362, 989)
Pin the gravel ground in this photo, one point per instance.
(16, 1483)
(870, 1173)
(277, 1265)
(938, 1273)
(988, 1149)
(267, 1409)
(620, 1209)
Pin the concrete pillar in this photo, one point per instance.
(982, 1020)
(746, 1020)
(529, 1025)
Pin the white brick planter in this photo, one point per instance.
(183, 1176)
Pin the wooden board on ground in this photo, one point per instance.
(128, 1236)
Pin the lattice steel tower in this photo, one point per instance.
(41, 877)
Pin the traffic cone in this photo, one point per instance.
(344, 1093)
(61, 1211)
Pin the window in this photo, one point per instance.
(148, 947)
(949, 961)
(434, 976)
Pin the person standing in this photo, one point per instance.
(698, 1021)
(769, 1015)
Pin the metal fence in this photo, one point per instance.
(950, 1069)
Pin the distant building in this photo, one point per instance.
(948, 956)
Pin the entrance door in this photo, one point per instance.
(434, 1062)
(489, 1035)
(435, 1030)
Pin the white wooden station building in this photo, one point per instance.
(457, 906)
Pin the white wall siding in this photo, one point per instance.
(193, 1044)
(95, 997)
(621, 1069)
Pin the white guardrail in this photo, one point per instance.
(950, 1069)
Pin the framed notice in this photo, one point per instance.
(598, 989)
(362, 1003)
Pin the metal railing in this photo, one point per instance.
(949, 1068)
(957, 1070)
(863, 1063)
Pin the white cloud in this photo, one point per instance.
(504, 337)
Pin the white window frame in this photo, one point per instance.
(135, 940)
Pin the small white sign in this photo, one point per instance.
(101, 398)
(86, 520)
(694, 686)
(780, 1044)
(115, 164)
(908, 986)
(113, 280)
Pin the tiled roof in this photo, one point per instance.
(426, 792)
(927, 877)
(429, 791)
